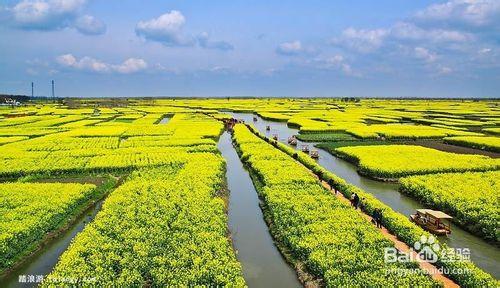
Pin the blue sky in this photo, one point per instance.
(397, 48)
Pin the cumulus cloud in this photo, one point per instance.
(45, 15)
(409, 31)
(293, 48)
(48, 15)
(165, 29)
(168, 30)
(462, 31)
(470, 12)
(425, 54)
(361, 40)
(205, 42)
(89, 25)
(289, 48)
(443, 70)
(86, 63)
(336, 62)
(365, 41)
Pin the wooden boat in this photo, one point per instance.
(292, 141)
(268, 128)
(254, 119)
(275, 137)
(314, 154)
(433, 221)
(305, 148)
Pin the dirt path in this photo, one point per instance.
(401, 246)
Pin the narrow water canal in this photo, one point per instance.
(483, 254)
(44, 260)
(263, 265)
(165, 120)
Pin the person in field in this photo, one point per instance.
(356, 201)
(377, 216)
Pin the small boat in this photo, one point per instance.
(314, 154)
(292, 141)
(433, 221)
(275, 137)
(268, 128)
(305, 148)
(254, 119)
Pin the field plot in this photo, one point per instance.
(403, 131)
(31, 210)
(5, 140)
(472, 198)
(394, 161)
(163, 226)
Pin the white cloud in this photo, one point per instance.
(336, 62)
(45, 14)
(48, 15)
(484, 51)
(89, 25)
(366, 41)
(165, 29)
(425, 54)
(473, 12)
(443, 70)
(86, 63)
(131, 65)
(290, 48)
(361, 40)
(409, 31)
(205, 42)
(294, 48)
(66, 60)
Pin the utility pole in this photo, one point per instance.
(32, 90)
(53, 92)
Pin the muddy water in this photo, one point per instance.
(263, 265)
(483, 254)
(46, 258)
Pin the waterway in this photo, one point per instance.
(262, 263)
(483, 254)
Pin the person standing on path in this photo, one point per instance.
(377, 217)
(356, 201)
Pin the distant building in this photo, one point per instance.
(10, 102)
